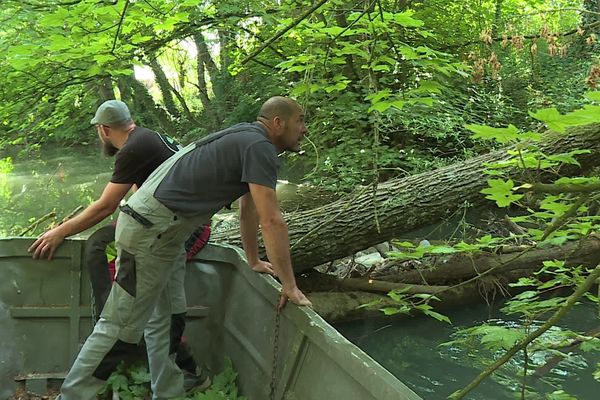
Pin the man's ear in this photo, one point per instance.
(278, 122)
(104, 130)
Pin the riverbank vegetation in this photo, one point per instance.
(481, 115)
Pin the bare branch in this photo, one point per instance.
(284, 31)
(119, 27)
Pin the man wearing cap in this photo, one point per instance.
(138, 151)
(183, 192)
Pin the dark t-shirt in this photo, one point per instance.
(142, 153)
(217, 172)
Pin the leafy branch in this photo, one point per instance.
(283, 31)
(521, 345)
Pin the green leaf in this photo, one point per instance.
(428, 101)
(58, 42)
(556, 207)
(103, 58)
(560, 395)
(382, 67)
(378, 96)
(467, 247)
(380, 106)
(408, 53)
(595, 96)
(333, 30)
(559, 122)
(496, 337)
(370, 304)
(501, 135)
(337, 87)
(430, 86)
(501, 192)
(390, 310)
(533, 136)
(425, 296)
(485, 240)
(578, 180)
(405, 19)
(428, 310)
(438, 316)
(591, 345)
(442, 250)
(55, 19)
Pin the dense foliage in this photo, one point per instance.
(390, 88)
(388, 85)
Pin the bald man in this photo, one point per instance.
(183, 193)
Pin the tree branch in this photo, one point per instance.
(562, 188)
(496, 39)
(571, 300)
(119, 27)
(284, 31)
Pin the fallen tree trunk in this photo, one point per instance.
(339, 299)
(464, 266)
(366, 217)
(346, 306)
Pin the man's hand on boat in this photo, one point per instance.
(295, 295)
(47, 244)
(263, 267)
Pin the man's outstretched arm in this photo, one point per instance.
(276, 239)
(249, 235)
(49, 241)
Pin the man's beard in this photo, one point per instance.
(108, 149)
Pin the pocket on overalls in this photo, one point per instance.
(120, 304)
(170, 242)
(144, 203)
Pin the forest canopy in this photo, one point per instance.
(386, 84)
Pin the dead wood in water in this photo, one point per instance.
(464, 266)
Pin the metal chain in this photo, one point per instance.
(275, 349)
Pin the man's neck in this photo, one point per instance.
(122, 136)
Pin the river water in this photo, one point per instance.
(412, 350)
(60, 180)
(56, 180)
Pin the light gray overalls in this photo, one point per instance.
(147, 290)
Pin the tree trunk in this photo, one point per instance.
(346, 306)
(204, 63)
(497, 19)
(348, 225)
(106, 89)
(146, 112)
(464, 266)
(165, 88)
(338, 299)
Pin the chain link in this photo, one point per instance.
(275, 349)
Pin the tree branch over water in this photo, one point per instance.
(571, 300)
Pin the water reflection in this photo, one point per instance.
(61, 180)
(57, 180)
(410, 349)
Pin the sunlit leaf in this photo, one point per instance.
(501, 135)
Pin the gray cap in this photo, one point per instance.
(111, 112)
